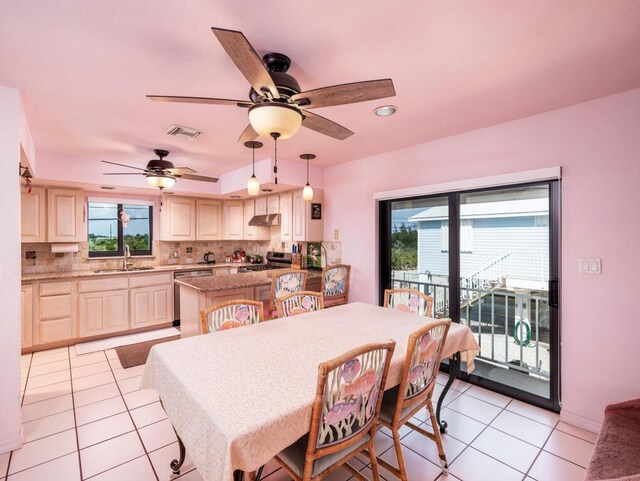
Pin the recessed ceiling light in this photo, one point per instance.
(236, 197)
(105, 187)
(385, 110)
(267, 190)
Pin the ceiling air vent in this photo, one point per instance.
(182, 130)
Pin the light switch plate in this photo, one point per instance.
(589, 266)
(336, 234)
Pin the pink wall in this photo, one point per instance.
(597, 143)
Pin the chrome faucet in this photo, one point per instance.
(126, 264)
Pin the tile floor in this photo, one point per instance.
(85, 417)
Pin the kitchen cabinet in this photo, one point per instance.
(103, 306)
(208, 219)
(306, 229)
(273, 204)
(66, 216)
(151, 300)
(55, 319)
(286, 218)
(178, 219)
(261, 205)
(34, 215)
(233, 218)
(26, 296)
(254, 232)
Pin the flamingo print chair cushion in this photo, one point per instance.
(350, 397)
(425, 360)
(231, 314)
(335, 281)
(408, 300)
(299, 303)
(287, 283)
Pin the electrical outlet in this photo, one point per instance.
(175, 253)
(336, 234)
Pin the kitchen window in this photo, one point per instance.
(111, 226)
(466, 236)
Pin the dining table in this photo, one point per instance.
(238, 397)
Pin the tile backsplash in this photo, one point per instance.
(46, 261)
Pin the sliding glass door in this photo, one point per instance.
(489, 259)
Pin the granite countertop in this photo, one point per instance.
(236, 281)
(168, 268)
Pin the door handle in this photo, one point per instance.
(554, 292)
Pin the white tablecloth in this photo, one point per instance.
(238, 397)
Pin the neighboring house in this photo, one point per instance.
(506, 240)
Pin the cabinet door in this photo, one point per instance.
(299, 224)
(250, 231)
(261, 206)
(151, 305)
(178, 219)
(273, 204)
(234, 220)
(103, 312)
(33, 207)
(208, 219)
(55, 319)
(27, 315)
(66, 216)
(286, 222)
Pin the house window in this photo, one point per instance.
(107, 234)
(466, 235)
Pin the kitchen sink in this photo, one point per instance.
(132, 269)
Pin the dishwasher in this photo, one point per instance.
(176, 289)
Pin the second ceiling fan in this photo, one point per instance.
(276, 104)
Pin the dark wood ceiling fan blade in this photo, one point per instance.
(123, 165)
(181, 170)
(246, 59)
(248, 134)
(201, 178)
(123, 173)
(199, 100)
(325, 126)
(345, 94)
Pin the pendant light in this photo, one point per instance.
(253, 186)
(307, 192)
(275, 136)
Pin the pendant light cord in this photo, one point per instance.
(275, 166)
(253, 150)
(307, 170)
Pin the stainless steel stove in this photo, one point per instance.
(275, 260)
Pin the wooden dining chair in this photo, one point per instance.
(344, 417)
(419, 372)
(230, 314)
(291, 280)
(335, 284)
(409, 300)
(299, 303)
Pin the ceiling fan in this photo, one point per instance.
(162, 173)
(276, 104)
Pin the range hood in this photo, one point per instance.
(265, 220)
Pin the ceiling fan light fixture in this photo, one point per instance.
(275, 117)
(160, 181)
(385, 110)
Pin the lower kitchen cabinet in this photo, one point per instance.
(27, 315)
(151, 305)
(103, 312)
(55, 313)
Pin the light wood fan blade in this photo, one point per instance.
(246, 59)
(123, 165)
(345, 94)
(199, 100)
(123, 173)
(325, 126)
(248, 134)
(181, 170)
(202, 178)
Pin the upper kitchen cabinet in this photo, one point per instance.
(208, 219)
(306, 228)
(252, 232)
(66, 216)
(233, 220)
(286, 216)
(267, 205)
(34, 213)
(178, 219)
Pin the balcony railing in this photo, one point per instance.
(512, 328)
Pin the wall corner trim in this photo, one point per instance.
(536, 175)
